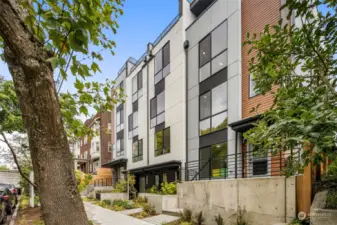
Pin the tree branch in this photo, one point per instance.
(16, 160)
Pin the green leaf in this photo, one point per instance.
(84, 110)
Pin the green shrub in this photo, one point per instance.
(332, 168)
(199, 219)
(82, 180)
(300, 222)
(186, 215)
(331, 201)
(153, 190)
(149, 209)
(219, 220)
(107, 202)
(169, 188)
(121, 186)
(139, 202)
(140, 215)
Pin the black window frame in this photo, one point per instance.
(166, 148)
(131, 124)
(121, 148)
(154, 100)
(136, 94)
(209, 35)
(211, 115)
(209, 162)
(163, 62)
(139, 156)
(121, 119)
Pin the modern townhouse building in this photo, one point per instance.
(96, 151)
(189, 98)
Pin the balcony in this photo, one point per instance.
(95, 155)
(198, 6)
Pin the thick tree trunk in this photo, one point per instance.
(34, 85)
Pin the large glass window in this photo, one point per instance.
(120, 147)
(137, 151)
(162, 142)
(213, 161)
(213, 52)
(119, 120)
(137, 85)
(133, 124)
(205, 50)
(162, 63)
(213, 110)
(157, 109)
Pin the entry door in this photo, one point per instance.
(258, 165)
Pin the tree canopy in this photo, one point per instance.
(298, 56)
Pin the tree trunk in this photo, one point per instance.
(35, 89)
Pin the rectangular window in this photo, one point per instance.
(109, 147)
(162, 63)
(213, 110)
(120, 147)
(137, 85)
(252, 91)
(97, 147)
(119, 119)
(213, 52)
(213, 161)
(162, 142)
(137, 151)
(157, 109)
(133, 124)
(109, 128)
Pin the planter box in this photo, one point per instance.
(318, 214)
(161, 202)
(114, 196)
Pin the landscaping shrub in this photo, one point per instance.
(121, 203)
(153, 190)
(332, 168)
(140, 215)
(186, 215)
(169, 188)
(82, 180)
(331, 201)
(300, 222)
(199, 219)
(139, 202)
(121, 186)
(219, 220)
(107, 202)
(240, 219)
(149, 209)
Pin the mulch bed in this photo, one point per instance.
(28, 216)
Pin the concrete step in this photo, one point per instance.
(160, 219)
(172, 212)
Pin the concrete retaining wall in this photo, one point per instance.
(318, 214)
(161, 202)
(114, 196)
(103, 189)
(266, 200)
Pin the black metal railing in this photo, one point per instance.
(106, 182)
(242, 165)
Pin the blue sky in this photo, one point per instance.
(142, 22)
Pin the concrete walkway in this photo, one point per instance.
(160, 219)
(131, 211)
(103, 216)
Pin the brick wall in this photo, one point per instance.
(255, 15)
(105, 137)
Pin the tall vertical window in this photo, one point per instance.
(137, 85)
(162, 63)
(120, 147)
(157, 109)
(133, 124)
(162, 142)
(137, 151)
(213, 52)
(213, 109)
(119, 119)
(109, 146)
(252, 91)
(97, 146)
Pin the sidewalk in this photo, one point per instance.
(103, 216)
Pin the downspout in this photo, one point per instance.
(186, 45)
(148, 110)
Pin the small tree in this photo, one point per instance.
(301, 62)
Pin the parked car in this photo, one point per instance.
(3, 211)
(13, 190)
(8, 200)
